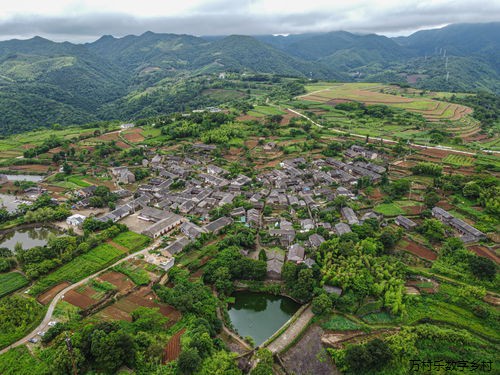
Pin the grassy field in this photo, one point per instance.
(131, 240)
(264, 110)
(389, 209)
(80, 267)
(10, 282)
(340, 323)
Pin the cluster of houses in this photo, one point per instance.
(468, 232)
(184, 188)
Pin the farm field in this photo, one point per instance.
(458, 160)
(374, 93)
(10, 282)
(262, 110)
(131, 240)
(389, 209)
(80, 267)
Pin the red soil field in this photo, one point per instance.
(122, 282)
(483, 251)
(118, 246)
(30, 168)
(420, 251)
(134, 136)
(413, 210)
(122, 145)
(114, 313)
(173, 348)
(81, 300)
(109, 136)
(251, 143)
(445, 205)
(49, 295)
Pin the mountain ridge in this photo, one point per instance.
(88, 78)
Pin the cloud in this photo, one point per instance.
(251, 17)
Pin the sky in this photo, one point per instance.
(87, 20)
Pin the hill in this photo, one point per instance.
(44, 82)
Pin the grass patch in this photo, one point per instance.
(388, 209)
(10, 282)
(378, 318)
(78, 181)
(340, 323)
(132, 241)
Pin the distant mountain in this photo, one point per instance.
(43, 82)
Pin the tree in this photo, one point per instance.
(189, 360)
(223, 282)
(221, 363)
(390, 237)
(264, 364)
(431, 198)
(372, 356)
(432, 229)
(303, 290)
(67, 169)
(321, 304)
(399, 188)
(482, 268)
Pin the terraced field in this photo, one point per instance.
(374, 93)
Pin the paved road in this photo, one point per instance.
(44, 325)
(291, 332)
(385, 140)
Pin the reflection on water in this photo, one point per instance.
(260, 315)
(28, 237)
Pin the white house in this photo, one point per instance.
(76, 220)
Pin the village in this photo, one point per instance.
(157, 210)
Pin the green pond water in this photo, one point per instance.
(260, 315)
(28, 237)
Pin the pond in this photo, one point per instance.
(260, 315)
(28, 237)
(24, 177)
(11, 202)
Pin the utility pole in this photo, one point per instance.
(70, 350)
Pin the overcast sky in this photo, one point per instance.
(87, 20)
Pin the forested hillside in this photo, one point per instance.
(43, 82)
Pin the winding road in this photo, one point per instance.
(44, 325)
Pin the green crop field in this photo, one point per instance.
(458, 160)
(340, 323)
(10, 282)
(131, 240)
(137, 274)
(80, 267)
